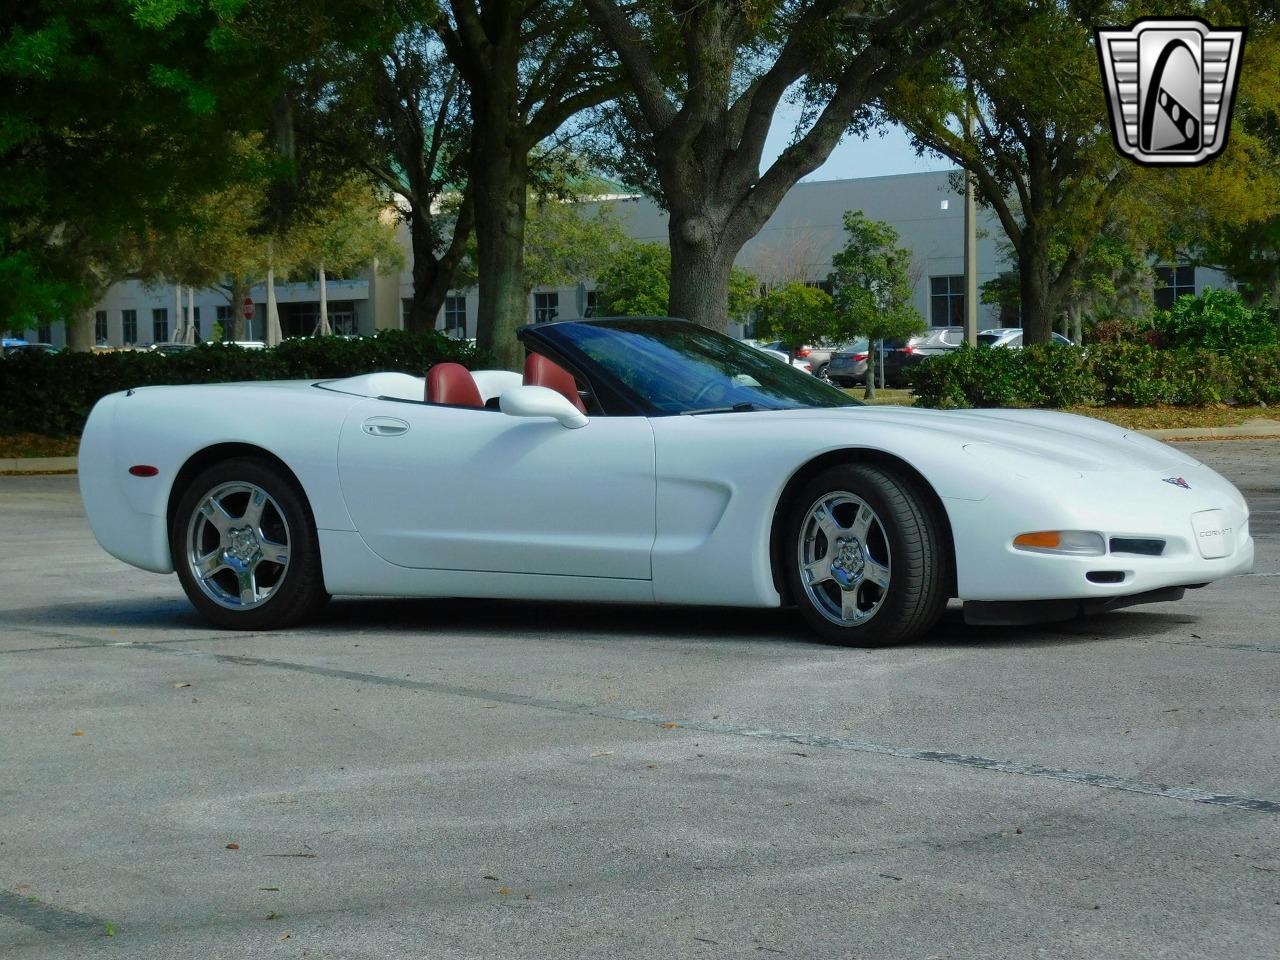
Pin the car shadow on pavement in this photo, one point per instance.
(159, 619)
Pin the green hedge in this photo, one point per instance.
(1124, 374)
(53, 393)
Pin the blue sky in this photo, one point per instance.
(880, 155)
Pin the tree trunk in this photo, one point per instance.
(189, 334)
(700, 268)
(236, 297)
(1275, 297)
(1033, 280)
(323, 330)
(1076, 331)
(430, 283)
(273, 336)
(79, 331)
(875, 368)
(500, 181)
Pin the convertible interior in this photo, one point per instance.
(452, 384)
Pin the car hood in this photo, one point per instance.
(1012, 438)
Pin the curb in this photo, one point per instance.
(1259, 428)
(38, 465)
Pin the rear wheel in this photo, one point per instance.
(867, 562)
(245, 547)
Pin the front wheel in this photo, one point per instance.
(867, 563)
(245, 547)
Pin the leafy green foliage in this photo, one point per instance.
(1217, 319)
(53, 393)
(1123, 374)
(871, 282)
(635, 281)
(796, 314)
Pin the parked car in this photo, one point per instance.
(11, 347)
(848, 365)
(817, 357)
(905, 354)
(782, 356)
(643, 460)
(172, 347)
(1011, 337)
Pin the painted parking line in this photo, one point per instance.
(1101, 781)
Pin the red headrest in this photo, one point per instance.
(541, 372)
(452, 383)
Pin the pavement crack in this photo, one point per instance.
(1101, 781)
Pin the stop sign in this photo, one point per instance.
(248, 308)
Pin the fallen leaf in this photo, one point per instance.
(273, 915)
(181, 685)
(1018, 830)
(528, 896)
(284, 937)
(77, 733)
(503, 891)
(23, 887)
(233, 846)
(603, 753)
(668, 726)
(653, 766)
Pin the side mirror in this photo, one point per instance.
(529, 401)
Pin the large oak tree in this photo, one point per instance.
(706, 78)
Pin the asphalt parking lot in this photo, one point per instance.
(464, 779)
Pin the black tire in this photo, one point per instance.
(821, 372)
(919, 563)
(297, 588)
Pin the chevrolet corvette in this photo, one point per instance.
(640, 460)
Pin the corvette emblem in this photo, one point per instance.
(1170, 84)
(1178, 482)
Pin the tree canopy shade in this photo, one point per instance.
(706, 77)
(529, 68)
(394, 107)
(101, 102)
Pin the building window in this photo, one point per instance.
(406, 308)
(946, 301)
(129, 326)
(44, 333)
(455, 316)
(100, 327)
(159, 324)
(593, 303)
(1172, 283)
(546, 307)
(342, 318)
(195, 320)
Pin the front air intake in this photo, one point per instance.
(1105, 576)
(1137, 545)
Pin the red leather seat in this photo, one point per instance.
(541, 372)
(452, 383)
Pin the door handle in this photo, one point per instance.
(384, 427)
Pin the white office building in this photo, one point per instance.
(796, 244)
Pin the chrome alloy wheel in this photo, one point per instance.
(238, 545)
(844, 558)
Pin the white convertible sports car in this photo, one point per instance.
(646, 461)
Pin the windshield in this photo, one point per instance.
(679, 367)
(988, 339)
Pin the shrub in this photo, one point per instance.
(1217, 320)
(1257, 375)
(1122, 374)
(53, 393)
